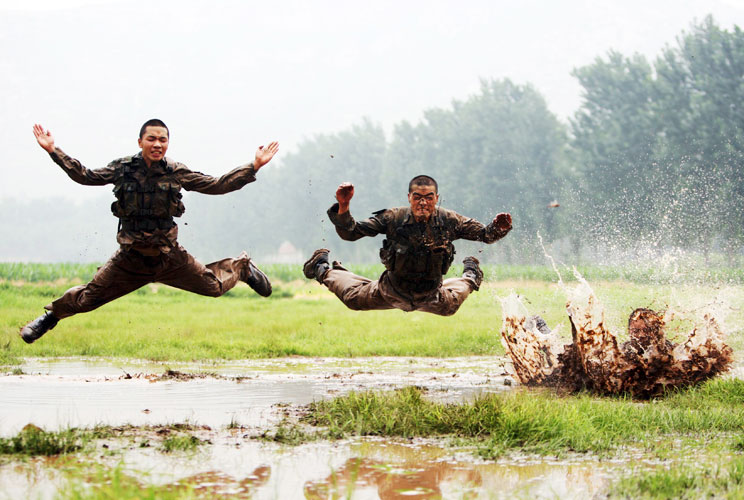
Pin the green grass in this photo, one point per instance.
(181, 442)
(685, 482)
(33, 441)
(538, 421)
(303, 318)
(646, 272)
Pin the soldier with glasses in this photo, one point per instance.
(417, 252)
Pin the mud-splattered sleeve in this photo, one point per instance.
(80, 174)
(206, 184)
(470, 229)
(350, 230)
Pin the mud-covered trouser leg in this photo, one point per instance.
(119, 276)
(357, 292)
(187, 273)
(128, 270)
(451, 294)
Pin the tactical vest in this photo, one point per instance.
(148, 206)
(417, 258)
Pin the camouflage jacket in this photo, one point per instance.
(132, 173)
(415, 254)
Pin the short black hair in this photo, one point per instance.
(153, 122)
(423, 180)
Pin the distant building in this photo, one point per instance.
(285, 254)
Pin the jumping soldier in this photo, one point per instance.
(147, 187)
(417, 252)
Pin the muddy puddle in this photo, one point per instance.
(57, 394)
(363, 468)
(228, 404)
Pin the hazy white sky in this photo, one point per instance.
(227, 76)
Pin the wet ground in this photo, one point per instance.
(231, 402)
(56, 394)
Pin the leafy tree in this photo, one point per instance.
(700, 91)
(614, 139)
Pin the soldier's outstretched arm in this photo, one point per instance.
(471, 229)
(235, 179)
(348, 228)
(72, 167)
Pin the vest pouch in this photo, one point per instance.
(126, 200)
(166, 200)
(401, 259)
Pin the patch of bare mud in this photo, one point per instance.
(644, 366)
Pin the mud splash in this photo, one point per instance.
(644, 366)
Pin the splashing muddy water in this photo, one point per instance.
(643, 366)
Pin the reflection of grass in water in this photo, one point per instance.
(98, 482)
(289, 433)
(537, 422)
(688, 481)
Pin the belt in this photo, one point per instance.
(149, 224)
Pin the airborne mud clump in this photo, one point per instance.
(644, 366)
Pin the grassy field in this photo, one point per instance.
(303, 318)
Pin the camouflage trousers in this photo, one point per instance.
(129, 270)
(362, 294)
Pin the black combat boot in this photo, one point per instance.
(258, 280)
(38, 327)
(473, 271)
(317, 266)
(538, 323)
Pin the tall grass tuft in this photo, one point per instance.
(181, 442)
(33, 441)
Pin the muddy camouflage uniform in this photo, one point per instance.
(147, 200)
(415, 255)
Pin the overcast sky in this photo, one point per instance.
(227, 76)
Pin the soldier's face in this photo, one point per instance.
(423, 200)
(154, 144)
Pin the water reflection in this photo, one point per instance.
(388, 470)
(216, 484)
(394, 481)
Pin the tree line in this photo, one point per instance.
(652, 159)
